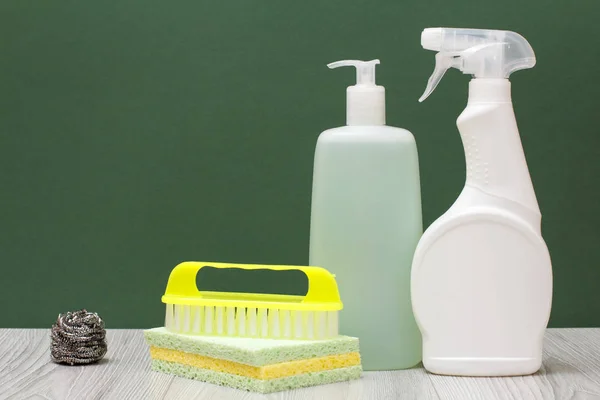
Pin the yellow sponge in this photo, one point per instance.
(255, 352)
(259, 365)
(265, 372)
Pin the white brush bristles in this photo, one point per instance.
(251, 322)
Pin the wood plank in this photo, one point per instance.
(571, 371)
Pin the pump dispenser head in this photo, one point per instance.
(365, 101)
(479, 52)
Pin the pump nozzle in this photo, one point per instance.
(365, 101)
(479, 52)
(365, 70)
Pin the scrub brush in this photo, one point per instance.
(274, 316)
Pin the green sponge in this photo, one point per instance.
(258, 385)
(254, 352)
(254, 364)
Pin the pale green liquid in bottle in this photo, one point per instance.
(365, 224)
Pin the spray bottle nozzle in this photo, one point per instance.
(365, 103)
(365, 70)
(481, 53)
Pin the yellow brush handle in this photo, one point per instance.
(322, 287)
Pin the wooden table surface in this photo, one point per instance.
(571, 370)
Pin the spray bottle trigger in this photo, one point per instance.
(442, 63)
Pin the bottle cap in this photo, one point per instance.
(482, 53)
(365, 101)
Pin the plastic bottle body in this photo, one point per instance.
(365, 224)
(482, 275)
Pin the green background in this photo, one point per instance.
(138, 134)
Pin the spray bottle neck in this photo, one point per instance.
(489, 90)
(365, 105)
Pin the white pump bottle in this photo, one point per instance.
(481, 276)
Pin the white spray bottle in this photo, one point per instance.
(481, 277)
